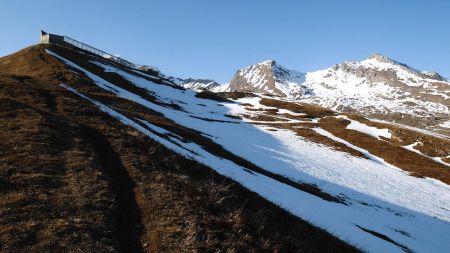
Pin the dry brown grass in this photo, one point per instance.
(57, 197)
(431, 145)
(396, 155)
(235, 95)
(265, 117)
(312, 111)
(212, 96)
(313, 136)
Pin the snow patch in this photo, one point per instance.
(445, 124)
(363, 128)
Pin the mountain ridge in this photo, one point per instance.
(377, 86)
(195, 83)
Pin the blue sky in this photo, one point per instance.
(212, 39)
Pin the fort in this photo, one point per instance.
(49, 38)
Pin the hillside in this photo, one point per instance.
(75, 179)
(100, 157)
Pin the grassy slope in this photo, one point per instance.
(73, 178)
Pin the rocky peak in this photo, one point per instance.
(268, 77)
(270, 63)
(381, 58)
(424, 74)
(267, 65)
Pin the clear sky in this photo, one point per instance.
(212, 38)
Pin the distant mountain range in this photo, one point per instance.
(377, 87)
(195, 84)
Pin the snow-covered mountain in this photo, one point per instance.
(195, 84)
(378, 87)
(271, 78)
